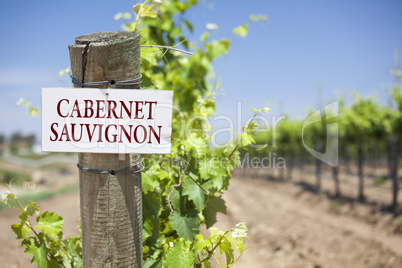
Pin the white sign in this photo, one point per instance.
(96, 120)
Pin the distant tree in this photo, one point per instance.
(16, 137)
(395, 143)
(30, 140)
(315, 137)
(19, 140)
(361, 127)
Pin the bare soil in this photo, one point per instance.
(288, 226)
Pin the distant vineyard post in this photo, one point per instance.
(111, 205)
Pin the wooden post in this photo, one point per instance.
(111, 205)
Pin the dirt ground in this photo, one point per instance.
(288, 227)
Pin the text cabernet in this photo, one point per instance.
(132, 113)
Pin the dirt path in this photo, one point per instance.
(288, 228)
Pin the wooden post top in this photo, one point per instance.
(105, 38)
(110, 56)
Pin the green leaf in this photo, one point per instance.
(229, 148)
(32, 208)
(214, 205)
(180, 255)
(152, 178)
(253, 17)
(175, 32)
(218, 48)
(137, 8)
(149, 184)
(152, 263)
(151, 205)
(75, 248)
(21, 230)
(145, 11)
(246, 139)
(55, 264)
(235, 160)
(198, 143)
(216, 234)
(242, 30)
(217, 180)
(149, 56)
(189, 25)
(146, 229)
(241, 229)
(203, 168)
(50, 223)
(226, 247)
(200, 243)
(238, 243)
(194, 192)
(207, 264)
(8, 197)
(184, 224)
(39, 250)
(148, 11)
(204, 36)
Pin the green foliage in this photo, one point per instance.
(242, 30)
(335, 205)
(396, 123)
(255, 18)
(357, 118)
(188, 253)
(365, 121)
(398, 227)
(20, 143)
(31, 110)
(50, 223)
(192, 79)
(17, 177)
(185, 224)
(44, 240)
(380, 180)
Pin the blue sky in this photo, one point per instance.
(308, 50)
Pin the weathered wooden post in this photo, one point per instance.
(111, 205)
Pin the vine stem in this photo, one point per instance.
(211, 252)
(237, 145)
(188, 174)
(181, 168)
(174, 186)
(137, 18)
(244, 130)
(169, 48)
(28, 223)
